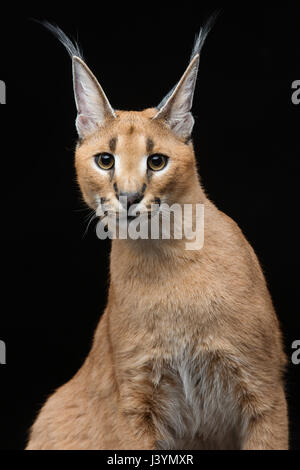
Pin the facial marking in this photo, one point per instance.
(113, 144)
(149, 145)
(115, 186)
(149, 175)
(111, 174)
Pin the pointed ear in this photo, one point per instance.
(93, 107)
(175, 108)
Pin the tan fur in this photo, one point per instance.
(188, 353)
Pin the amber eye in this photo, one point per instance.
(105, 161)
(157, 162)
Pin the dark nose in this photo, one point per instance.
(131, 198)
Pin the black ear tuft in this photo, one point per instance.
(175, 108)
(71, 46)
(198, 44)
(203, 33)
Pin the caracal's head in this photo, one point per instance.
(146, 157)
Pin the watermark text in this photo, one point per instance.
(2, 352)
(296, 93)
(2, 92)
(296, 354)
(161, 222)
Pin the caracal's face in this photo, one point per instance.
(146, 157)
(137, 157)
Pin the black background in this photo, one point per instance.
(55, 278)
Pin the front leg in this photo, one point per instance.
(268, 430)
(135, 424)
